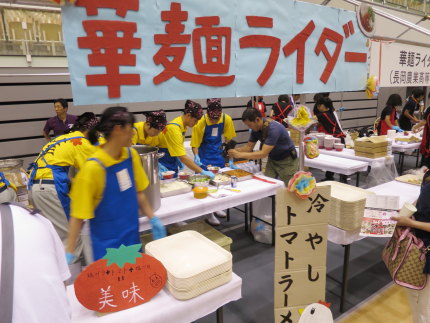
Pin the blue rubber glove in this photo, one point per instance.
(232, 165)
(341, 109)
(158, 229)
(179, 163)
(161, 169)
(70, 257)
(208, 173)
(397, 128)
(197, 160)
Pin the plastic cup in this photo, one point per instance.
(407, 210)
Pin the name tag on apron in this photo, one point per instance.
(214, 132)
(124, 180)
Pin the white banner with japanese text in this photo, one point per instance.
(149, 50)
(400, 65)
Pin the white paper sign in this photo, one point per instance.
(124, 180)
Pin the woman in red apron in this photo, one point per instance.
(281, 110)
(328, 124)
(257, 103)
(389, 115)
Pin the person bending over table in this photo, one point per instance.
(7, 190)
(49, 178)
(277, 146)
(425, 142)
(146, 133)
(172, 141)
(389, 115)
(420, 299)
(206, 142)
(109, 189)
(413, 104)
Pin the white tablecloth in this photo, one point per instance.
(339, 165)
(402, 148)
(408, 193)
(183, 207)
(163, 308)
(350, 154)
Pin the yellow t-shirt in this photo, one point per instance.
(139, 136)
(89, 184)
(173, 137)
(199, 129)
(72, 152)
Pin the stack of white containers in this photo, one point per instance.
(194, 263)
(347, 205)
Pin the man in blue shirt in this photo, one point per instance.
(277, 146)
(61, 123)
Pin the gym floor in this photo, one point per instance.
(254, 263)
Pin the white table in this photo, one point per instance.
(350, 154)
(164, 307)
(184, 207)
(339, 165)
(403, 148)
(407, 193)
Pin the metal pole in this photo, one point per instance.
(301, 151)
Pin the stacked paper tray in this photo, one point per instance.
(205, 229)
(347, 205)
(194, 263)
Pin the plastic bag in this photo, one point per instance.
(382, 172)
(261, 231)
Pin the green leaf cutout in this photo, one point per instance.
(123, 255)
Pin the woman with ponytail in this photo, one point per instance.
(49, 178)
(146, 133)
(109, 189)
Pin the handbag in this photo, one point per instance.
(405, 258)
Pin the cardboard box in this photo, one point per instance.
(371, 142)
(371, 150)
(292, 210)
(302, 290)
(370, 155)
(301, 246)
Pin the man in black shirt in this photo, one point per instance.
(407, 117)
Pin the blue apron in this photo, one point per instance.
(210, 150)
(171, 163)
(60, 174)
(116, 218)
(3, 179)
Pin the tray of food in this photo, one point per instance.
(221, 179)
(410, 179)
(241, 174)
(170, 188)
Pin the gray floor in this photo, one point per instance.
(253, 262)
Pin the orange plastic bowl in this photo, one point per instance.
(200, 192)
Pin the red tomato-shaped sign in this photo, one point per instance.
(124, 278)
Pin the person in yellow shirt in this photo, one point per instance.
(146, 133)
(49, 178)
(206, 139)
(172, 140)
(109, 190)
(206, 142)
(7, 190)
